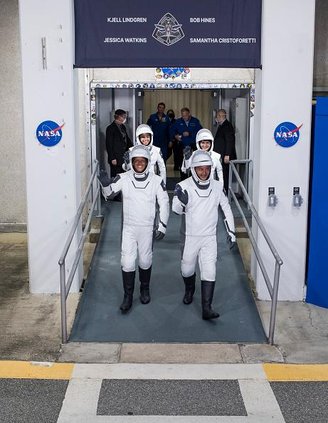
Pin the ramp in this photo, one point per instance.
(165, 319)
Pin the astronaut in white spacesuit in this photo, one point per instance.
(205, 142)
(141, 190)
(145, 136)
(197, 199)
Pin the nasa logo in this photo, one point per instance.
(49, 133)
(287, 134)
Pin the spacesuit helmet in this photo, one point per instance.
(144, 129)
(200, 158)
(140, 151)
(204, 135)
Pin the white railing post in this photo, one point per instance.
(272, 288)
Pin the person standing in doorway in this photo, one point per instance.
(141, 190)
(117, 142)
(144, 136)
(198, 199)
(171, 115)
(204, 141)
(160, 124)
(184, 133)
(224, 144)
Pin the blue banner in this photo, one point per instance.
(141, 33)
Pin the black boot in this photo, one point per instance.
(144, 277)
(189, 288)
(207, 297)
(128, 286)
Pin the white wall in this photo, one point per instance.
(12, 166)
(284, 92)
(52, 174)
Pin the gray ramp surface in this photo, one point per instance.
(165, 318)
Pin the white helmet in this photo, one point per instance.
(144, 129)
(204, 135)
(200, 158)
(140, 151)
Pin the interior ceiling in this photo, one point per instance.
(198, 101)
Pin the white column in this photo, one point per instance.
(52, 173)
(284, 93)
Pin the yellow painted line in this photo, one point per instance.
(296, 372)
(35, 370)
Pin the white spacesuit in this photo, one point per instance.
(157, 164)
(197, 199)
(141, 191)
(204, 135)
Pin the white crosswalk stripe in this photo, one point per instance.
(82, 395)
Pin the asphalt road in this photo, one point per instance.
(202, 393)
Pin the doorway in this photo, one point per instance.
(203, 104)
(165, 319)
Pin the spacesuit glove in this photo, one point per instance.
(232, 241)
(232, 236)
(105, 182)
(182, 195)
(126, 158)
(104, 179)
(160, 231)
(187, 152)
(106, 192)
(159, 235)
(233, 246)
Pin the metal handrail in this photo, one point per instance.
(66, 286)
(272, 288)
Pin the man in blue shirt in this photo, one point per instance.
(160, 124)
(183, 133)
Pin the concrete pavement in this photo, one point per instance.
(30, 327)
(146, 383)
(146, 393)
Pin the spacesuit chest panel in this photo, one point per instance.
(138, 201)
(202, 211)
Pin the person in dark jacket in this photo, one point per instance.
(172, 144)
(117, 142)
(224, 144)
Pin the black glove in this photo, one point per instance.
(232, 244)
(159, 235)
(126, 158)
(187, 152)
(104, 179)
(182, 195)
